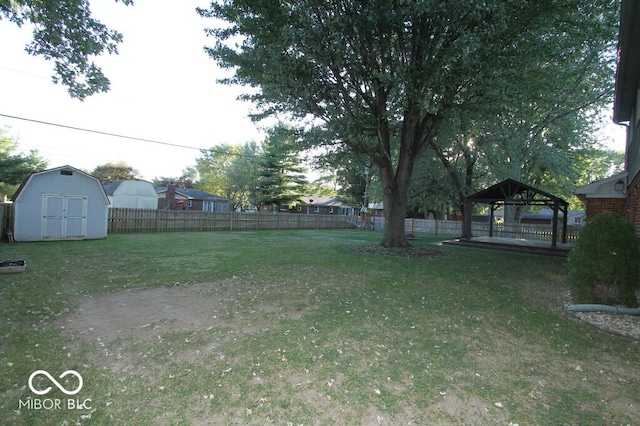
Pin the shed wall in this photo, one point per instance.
(135, 195)
(29, 205)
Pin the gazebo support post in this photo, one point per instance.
(491, 218)
(564, 224)
(554, 231)
(466, 220)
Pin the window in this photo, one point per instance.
(66, 172)
(316, 209)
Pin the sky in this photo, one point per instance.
(163, 88)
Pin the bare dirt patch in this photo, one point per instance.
(169, 319)
(146, 314)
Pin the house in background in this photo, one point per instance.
(620, 194)
(605, 195)
(171, 197)
(133, 194)
(376, 209)
(322, 204)
(62, 203)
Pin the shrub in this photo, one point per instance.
(603, 265)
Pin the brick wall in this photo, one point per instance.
(595, 206)
(629, 207)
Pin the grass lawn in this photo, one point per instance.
(297, 328)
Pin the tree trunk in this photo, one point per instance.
(394, 196)
(395, 207)
(416, 133)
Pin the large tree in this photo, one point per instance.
(65, 32)
(380, 76)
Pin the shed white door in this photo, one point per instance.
(64, 217)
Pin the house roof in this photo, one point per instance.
(603, 188)
(55, 169)
(512, 192)
(322, 200)
(193, 194)
(110, 187)
(628, 61)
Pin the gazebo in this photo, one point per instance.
(514, 193)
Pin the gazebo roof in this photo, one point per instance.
(512, 192)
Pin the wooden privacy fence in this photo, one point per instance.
(452, 228)
(123, 220)
(6, 220)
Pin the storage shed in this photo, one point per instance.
(63, 203)
(132, 194)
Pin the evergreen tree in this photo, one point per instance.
(281, 179)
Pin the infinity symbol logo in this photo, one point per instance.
(55, 382)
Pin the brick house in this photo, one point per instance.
(621, 193)
(605, 195)
(171, 197)
(321, 204)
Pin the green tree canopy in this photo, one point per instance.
(185, 181)
(380, 77)
(65, 32)
(110, 172)
(230, 171)
(15, 167)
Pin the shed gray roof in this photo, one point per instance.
(110, 187)
(55, 169)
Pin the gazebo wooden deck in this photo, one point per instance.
(514, 245)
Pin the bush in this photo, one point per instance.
(603, 265)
